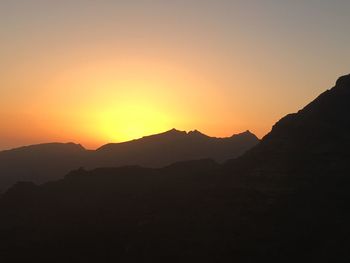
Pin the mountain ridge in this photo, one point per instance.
(36, 162)
(171, 131)
(48, 144)
(176, 134)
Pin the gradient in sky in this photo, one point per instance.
(100, 71)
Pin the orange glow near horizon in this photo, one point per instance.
(94, 72)
(116, 100)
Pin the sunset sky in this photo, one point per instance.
(100, 71)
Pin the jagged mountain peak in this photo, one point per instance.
(247, 133)
(196, 133)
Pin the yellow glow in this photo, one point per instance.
(132, 120)
(117, 102)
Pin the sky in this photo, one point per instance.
(93, 72)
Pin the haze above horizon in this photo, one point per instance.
(94, 72)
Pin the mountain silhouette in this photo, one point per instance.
(315, 139)
(44, 162)
(171, 146)
(285, 200)
(40, 162)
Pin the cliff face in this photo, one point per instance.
(315, 139)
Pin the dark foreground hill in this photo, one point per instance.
(286, 200)
(45, 162)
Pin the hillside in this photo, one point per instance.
(46, 162)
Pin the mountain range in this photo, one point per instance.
(51, 161)
(285, 200)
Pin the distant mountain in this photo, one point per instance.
(172, 146)
(44, 162)
(40, 162)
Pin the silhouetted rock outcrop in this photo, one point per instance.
(315, 139)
